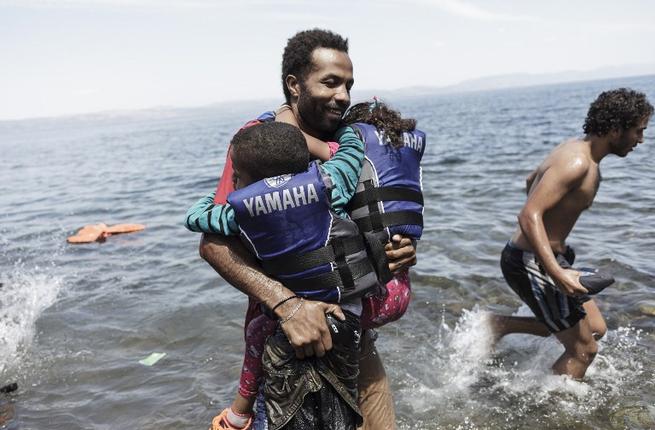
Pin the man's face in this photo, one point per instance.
(324, 94)
(628, 139)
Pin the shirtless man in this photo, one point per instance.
(559, 190)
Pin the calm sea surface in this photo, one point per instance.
(76, 320)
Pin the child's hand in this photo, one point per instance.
(400, 253)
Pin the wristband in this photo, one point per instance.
(283, 301)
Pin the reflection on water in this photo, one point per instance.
(76, 320)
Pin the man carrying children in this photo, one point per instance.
(317, 77)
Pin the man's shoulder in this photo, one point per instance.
(573, 153)
(569, 162)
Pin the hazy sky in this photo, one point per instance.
(71, 56)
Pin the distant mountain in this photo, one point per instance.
(517, 80)
(245, 108)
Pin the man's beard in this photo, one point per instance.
(313, 115)
(622, 146)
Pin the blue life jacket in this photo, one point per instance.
(389, 198)
(288, 223)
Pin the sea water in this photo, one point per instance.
(76, 320)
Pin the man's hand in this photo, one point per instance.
(307, 328)
(568, 281)
(400, 253)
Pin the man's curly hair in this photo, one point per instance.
(385, 119)
(297, 57)
(618, 109)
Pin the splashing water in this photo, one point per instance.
(464, 381)
(24, 295)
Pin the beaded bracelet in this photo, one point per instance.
(293, 312)
(283, 301)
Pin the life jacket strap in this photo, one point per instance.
(327, 254)
(328, 281)
(378, 221)
(342, 267)
(378, 257)
(384, 194)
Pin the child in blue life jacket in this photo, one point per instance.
(293, 219)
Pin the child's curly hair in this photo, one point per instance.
(385, 119)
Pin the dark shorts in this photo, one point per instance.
(535, 287)
(313, 393)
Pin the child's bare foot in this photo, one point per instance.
(226, 421)
(243, 405)
(237, 416)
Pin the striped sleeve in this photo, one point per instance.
(207, 217)
(344, 168)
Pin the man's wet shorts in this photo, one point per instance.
(536, 288)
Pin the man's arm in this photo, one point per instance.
(555, 183)
(307, 330)
(529, 180)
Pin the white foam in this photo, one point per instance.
(25, 294)
(460, 374)
(457, 358)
